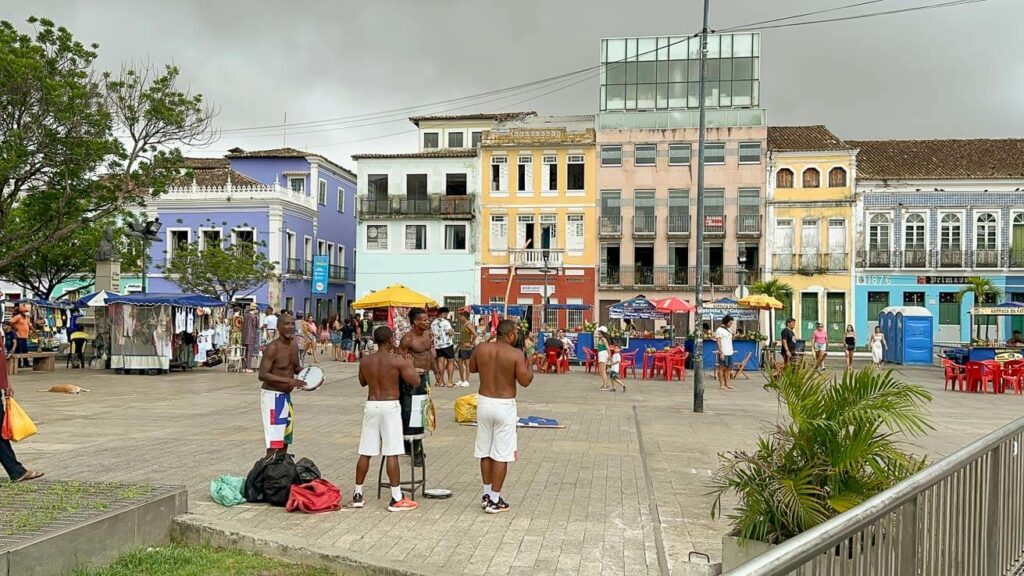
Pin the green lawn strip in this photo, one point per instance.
(28, 507)
(178, 560)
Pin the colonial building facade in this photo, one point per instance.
(810, 211)
(932, 213)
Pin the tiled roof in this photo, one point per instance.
(940, 159)
(272, 153)
(496, 116)
(214, 172)
(804, 139)
(440, 153)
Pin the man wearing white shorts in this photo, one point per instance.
(382, 416)
(500, 365)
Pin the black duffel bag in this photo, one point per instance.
(271, 479)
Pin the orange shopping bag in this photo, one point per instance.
(17, 425)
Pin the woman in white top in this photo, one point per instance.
(878, 345)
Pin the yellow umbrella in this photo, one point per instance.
(761, 302)
(394, 295)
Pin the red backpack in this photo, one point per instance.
(312, 497)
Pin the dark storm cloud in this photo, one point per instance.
(957, 72)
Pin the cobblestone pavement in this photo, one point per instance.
(621, 490)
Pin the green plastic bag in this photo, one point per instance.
(227, 490)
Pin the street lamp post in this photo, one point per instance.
(147, 232)
(742, 260)
(547, 299)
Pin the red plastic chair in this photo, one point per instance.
(589, 359)
(676, 365)
(978, 377)
(996, 368)
(628, 363)
(956, 375)
(1013, 375)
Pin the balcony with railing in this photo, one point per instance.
(714, 224)
(645, 225)
(1016, 258)
(671, 277)
(914, 258)
(811, 264)
(950, 258)
(678, 224)
(748, 225)
(875, 258)
(610, 226)
(297, 267)
(433, 205)
(537, 257)
(985, 258)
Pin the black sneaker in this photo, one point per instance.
(485, 501)
(417, 460)
(357, 500)
(497, 507)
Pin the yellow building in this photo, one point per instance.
(810, 215)
(538, 213)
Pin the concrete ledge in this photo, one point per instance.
(190, 529)
(99, 540)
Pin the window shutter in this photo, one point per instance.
(574, 235)
(529, 178)
(504, 177)
(499, 235)
(521, 235)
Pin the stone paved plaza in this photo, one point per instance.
(621, 490)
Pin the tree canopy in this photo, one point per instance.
(78, 145)
(218, 271)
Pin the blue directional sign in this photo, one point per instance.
(321, 266)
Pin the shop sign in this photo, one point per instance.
(941, 280)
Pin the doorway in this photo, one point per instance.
(835, 313)
(714, 265)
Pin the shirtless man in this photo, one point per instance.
(277, 372)
(500, 365)
(418, 345)
(382, 418)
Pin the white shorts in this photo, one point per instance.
(278, 414)
(382, 429)
(602, 356)
(496, 429)
(820, 347)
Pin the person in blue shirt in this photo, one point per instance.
(8, 337)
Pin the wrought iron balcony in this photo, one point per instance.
(610, 226)
(538, 258)
(811, 264)
(678, 223)
(748, 225)
(714, 224)
(950, 258)
(298, 267)
(645, 225)
(875, 258)
(672, 277)
(1016, 258)
(985, 258)
(433, 205)
(914, 258)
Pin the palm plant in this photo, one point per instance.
(840, 446)
(984, 290)
(776, 289)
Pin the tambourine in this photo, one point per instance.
(313, 376)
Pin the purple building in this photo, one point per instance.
(293, 204)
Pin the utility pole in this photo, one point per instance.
(698, 342)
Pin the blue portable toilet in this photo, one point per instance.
(915, 336)
(887, 321)
(897, 336)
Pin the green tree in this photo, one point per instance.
(221, 272)
(776, 289)
(984, 290)
(78, 145)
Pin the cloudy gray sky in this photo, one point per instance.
(956, 72)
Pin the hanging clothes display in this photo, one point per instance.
(250, 337)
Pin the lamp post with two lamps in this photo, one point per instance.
(148, 232)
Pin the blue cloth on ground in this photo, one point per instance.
(537, 421)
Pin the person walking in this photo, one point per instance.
(15, 470)
(850, 344)
(878, 346)
(467, 342)
(348, 339)
(820, 339)
(601, 344)
(311, 337)
(723, 336)
(788, 341)
(364, 332)
(444, 344)
(334, 325)
(501, 366)
(22, 327)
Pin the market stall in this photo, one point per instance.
(745, 347)
(50, 320)
(639, 308)
(144, 328)
(392, 305)
(978, 351)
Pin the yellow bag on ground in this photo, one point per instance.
(21, 425)
(465, 409)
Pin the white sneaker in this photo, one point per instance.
(464, 384)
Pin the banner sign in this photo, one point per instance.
(321, 267)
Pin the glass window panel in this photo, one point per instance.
(726, 45)
(677, 48)
(616, 73)
(755, 99)
(662, 96)
(743, 68)
(663, 72)
(645, 154)
(647, 73)
(616, 96)
(631, 72)
(645, 96)
(741, 45)
(631, 49)
(694, 74)
(604, 105)
(604, 51)
(663, 49)
(692, 94)
(712, 72)
(756, 38)
(646, 49)
(711, 94)
(616, 50)
(677, 95)
(678, 153)
(725, 96)
(677, 71)
(741, 93)
(725, 68)
(631, 97)
(713, 51)
(694, 48)
(714, 153)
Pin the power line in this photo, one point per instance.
(940, 5)
(815, 13)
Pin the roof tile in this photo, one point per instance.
(968, 159)
(440, 153)
(804, 139)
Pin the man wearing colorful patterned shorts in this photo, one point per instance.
(277, 372)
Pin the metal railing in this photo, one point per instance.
(748, 225)
(714, 224)
(537, 258)
(671, 277)
(811, 264)
(875, 258)
(985, 258)
(950, 258)
(645, 225)
(678, 223)
(431, 205)
(914, 258)
(300, 267)
(611, 225)
(963, 515)
(1016, 258)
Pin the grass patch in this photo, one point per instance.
(30, 506)
(200, 561)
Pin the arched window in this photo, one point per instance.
(784, 178)
(985, 232)
(950, 232)
(1017, 242)
(812, 178)
(837, 178)
(913, 232)
(879, 232)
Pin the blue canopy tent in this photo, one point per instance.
(143, 325)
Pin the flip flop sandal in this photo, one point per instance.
(30, 476)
